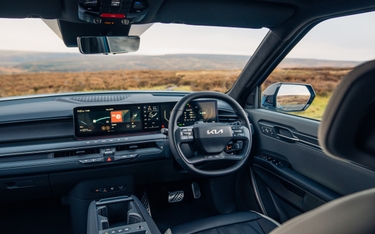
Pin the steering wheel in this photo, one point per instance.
(209, 140)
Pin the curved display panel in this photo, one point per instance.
(107, 120)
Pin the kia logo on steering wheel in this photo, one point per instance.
(214, 131)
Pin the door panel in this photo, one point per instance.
(291, 174)
(284, 192)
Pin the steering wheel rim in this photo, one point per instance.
(174, 132)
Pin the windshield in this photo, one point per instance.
(172, 57)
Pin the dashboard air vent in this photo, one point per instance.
(101, 98)
(228, 118)
(77, 152)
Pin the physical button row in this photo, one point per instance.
(107, 141)
(234, 146)
(116, 231)
(238, 134)
(186, 134)
(108, 159)
(267, 130)
(237, 131)
(123, 230)
(109, 189)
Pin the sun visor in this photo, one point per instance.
(47, 9)
(231, 13)
(347, 130)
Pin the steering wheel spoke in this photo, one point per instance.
(217, 157)
(223, 156)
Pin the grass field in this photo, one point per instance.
(324, 80)
(317, 108)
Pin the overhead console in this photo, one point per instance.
(110, 120)
(112, 12)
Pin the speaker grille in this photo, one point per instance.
(101, 98)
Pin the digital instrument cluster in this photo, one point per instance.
(107, 120)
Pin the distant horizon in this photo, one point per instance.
(155, 54)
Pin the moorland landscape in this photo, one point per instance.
(32, 73)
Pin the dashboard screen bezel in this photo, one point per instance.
(142, 129)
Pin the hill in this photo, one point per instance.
(13, 62)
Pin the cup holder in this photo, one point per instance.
(119, 215)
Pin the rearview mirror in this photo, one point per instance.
(288, 97)
(108, 45)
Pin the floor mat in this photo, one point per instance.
(44, 216)
(167, 214)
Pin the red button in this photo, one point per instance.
(113, 16)
(109, 159)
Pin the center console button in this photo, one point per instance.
(91, 160)
(109, 159)
(126, 156)
(98, 159)
(84, 161)
(121, 157)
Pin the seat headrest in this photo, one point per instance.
(347, 129)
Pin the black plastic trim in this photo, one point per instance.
(299, 180)
(50, 147)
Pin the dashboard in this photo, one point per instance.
(59, 140)
(42, 132)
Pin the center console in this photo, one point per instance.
(102, 203)
(107, 206)
(124, 214)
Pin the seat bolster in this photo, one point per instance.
(350, 214)
(221, 221)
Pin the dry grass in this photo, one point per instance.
(317, 108)
(44, 83)
(324, 81)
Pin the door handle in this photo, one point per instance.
(286, 135)
(295, 139)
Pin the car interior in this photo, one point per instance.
(179, 162)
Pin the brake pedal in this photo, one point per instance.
(176, 196)
(146, 203)
(196, 190)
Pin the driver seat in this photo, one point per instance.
(246, 222)
(349, 119)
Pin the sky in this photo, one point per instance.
(349, 38)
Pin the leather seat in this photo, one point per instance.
(236, 223)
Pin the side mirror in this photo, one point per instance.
(288, 97)
(108, 45)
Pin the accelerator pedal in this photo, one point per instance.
(176, 196)
(196, 190)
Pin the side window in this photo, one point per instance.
(326, 54)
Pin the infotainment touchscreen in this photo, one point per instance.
(107, 120)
